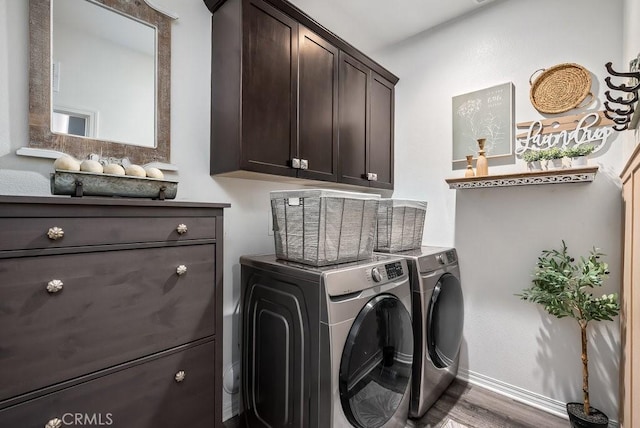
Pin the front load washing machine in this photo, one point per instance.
(438, 318)
(326, 347)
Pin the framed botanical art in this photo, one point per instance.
(486, 113)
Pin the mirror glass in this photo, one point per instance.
(103, 73)
(99, 79)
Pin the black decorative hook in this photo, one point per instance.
(612, 72)
(621, 116)
(606, 114)
(622, 87)
(618, 111)
(622, 120)
(621, 100)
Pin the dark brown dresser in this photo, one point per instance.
(110, 313)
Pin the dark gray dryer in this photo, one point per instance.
(326, 347)
(438, 318)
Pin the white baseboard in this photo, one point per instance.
(529, 398)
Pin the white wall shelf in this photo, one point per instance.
(572, 175)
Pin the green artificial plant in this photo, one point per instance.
(532, 156)
(564, 287)
(574, 152)
(552, 153)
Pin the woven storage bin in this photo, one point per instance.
(400, 225)
(323, 227)
(561, 88)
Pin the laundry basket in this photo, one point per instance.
(400, 225)
(323, 227)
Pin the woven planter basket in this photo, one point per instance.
(560, 88)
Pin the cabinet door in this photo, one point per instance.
(381, 134)
(318, 106)
(269, 85)
(353, 108)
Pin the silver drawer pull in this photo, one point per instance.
(181, 270)
(304, 164)
(179, 377)
(55, 233)
(295, 163)
(181, 229)
(372, 176)
(54, 286)
(54, 423)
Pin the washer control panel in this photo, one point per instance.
(340, 280)
(394, 270)
(388, 272)
(451, 256)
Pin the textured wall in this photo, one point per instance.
(499, 232)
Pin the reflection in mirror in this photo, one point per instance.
(93, 90)
(104, 63)
(66, 122)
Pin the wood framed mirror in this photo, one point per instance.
(141, 132)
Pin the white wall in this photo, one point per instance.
(500, 232)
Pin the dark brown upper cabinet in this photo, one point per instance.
(275, 98)
(366, 105)
(366, 126)
(269, 85)
(317, 106)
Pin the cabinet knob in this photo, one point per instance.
(179, 377)
(54, 286)
(54, 423)
(295, 163)
(181, 229)
(181, 270)
(372, 176)
(304, 164)
(55, 233)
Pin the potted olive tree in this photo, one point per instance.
(564, 286)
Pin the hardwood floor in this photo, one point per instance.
(474, 407)
(477, 407)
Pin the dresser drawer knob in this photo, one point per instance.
(181, 270)
(54, 286)
(179, 377)
(54, 423)
(55, 233)
(181, 229)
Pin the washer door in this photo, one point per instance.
(375, 369)
(445, 319)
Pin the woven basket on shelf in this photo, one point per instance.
(560, 88)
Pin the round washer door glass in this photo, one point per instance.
(375, 369)
(445, 320)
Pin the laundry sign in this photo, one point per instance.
(593, 129)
